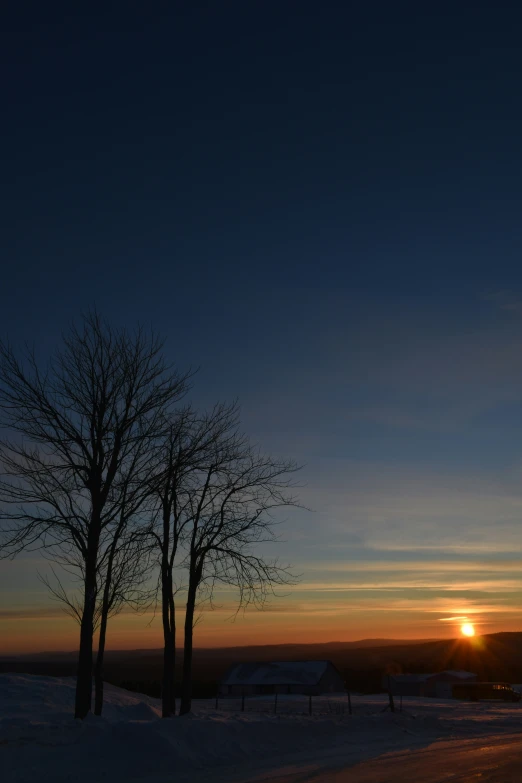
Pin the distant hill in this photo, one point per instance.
(59, 655)
(270, 649)
(362, 663)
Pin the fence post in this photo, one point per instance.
(349, 702)
(275, 703)
(400, 708)
(390, 695)
(310, 704)
(242, 701)
(217, 699)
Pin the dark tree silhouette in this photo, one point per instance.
(124, 576)
(225, 499)
(123, 580)
(184, 450)
(83, 436)
(231, 515)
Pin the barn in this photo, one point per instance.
(307, 677)
(438, 684)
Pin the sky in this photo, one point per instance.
(318, 206)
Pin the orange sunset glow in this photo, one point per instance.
(333, 601)
(313, 612)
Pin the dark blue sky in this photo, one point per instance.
(319, 204)
(357, 146)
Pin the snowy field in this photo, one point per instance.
(40, 740)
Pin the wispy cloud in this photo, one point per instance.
(31, 613)
(428, 582)
(503, 565)
(471, 547)
(505, 300)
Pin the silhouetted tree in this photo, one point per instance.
(184, 450)
(229, 499)
(83, 435)
(123, 580)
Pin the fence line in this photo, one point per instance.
(282, 703)
(305, 704)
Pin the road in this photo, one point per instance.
(488, 760)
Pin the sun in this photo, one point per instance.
(467, 629)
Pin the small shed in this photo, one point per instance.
(438, 684)
(441, 684)
(306, 677)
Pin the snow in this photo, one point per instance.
(41, 741)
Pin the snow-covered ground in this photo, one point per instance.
(41, 741)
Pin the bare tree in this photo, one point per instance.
(226, 500)
(83, 433)
(124, 577)
(123, 581)
(184, 450)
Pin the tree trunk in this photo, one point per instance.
(173, 652)
(168, 693)
(83, 699)
(168, 673)
(106, 605)
(167, 601)
(186, 684)
(98, 667)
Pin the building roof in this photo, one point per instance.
(461, 674)
(276, 673)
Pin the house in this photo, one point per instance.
(442, 682)
(306, 677)
(438, 684)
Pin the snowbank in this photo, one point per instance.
(41, 741)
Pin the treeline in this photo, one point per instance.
(131, 492)
(200, 690)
